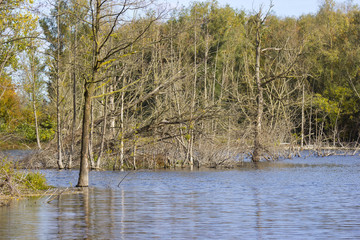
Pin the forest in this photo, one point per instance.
(129, 84)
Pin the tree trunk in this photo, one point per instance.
(89, 87)
(213, 123)
(58, 117)
(122, 129)
(134, 154)
(36, 120)
(33, 73)
(192, 123)
(260, 99)
(91, 137)
(310, 123)
(102, 134)
(84, 165)
(73, 127)
(205, 66)
(302, 116)
(112, 109)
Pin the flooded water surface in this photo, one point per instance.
(15, 155)
(312, 198)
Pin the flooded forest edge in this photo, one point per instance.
(133, 84)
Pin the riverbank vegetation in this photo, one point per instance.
(122, 84)
(15, 182)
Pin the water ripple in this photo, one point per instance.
(312, 198)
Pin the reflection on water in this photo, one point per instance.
(313, 198)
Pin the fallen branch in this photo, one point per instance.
(124, 178)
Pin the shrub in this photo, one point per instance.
(36, 181)
(13, 181)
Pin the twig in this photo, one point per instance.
(57, 195)
(124, 178)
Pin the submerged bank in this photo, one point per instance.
(50, 194)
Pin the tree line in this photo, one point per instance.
(131, 84)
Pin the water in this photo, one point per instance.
(16, 155)
(312, 198)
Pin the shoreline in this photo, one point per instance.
(52, 193)
(33, 159)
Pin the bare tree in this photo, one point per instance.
(259, 24)
(103, 23)
(58, 113)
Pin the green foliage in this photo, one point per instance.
(328, 107)
(320, 51)
(8, 168)
(47, 129)
(14, 181)
(28, 132)
(36, 181)
(26, 129)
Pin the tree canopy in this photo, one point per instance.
(151, 88)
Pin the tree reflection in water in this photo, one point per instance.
(274, 200)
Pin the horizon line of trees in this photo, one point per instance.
(125, 88)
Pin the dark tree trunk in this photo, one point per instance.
(84, 164)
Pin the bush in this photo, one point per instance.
(36, 181)
(29, 132)
(13, 181)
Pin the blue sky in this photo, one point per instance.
(283, 8)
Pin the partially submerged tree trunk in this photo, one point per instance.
(192, 122)
(73, 127)
(84, 164)
(58, 117)
(303, 116)
(122, 129)
(33, 93)
(103, 26)
(256, 156)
